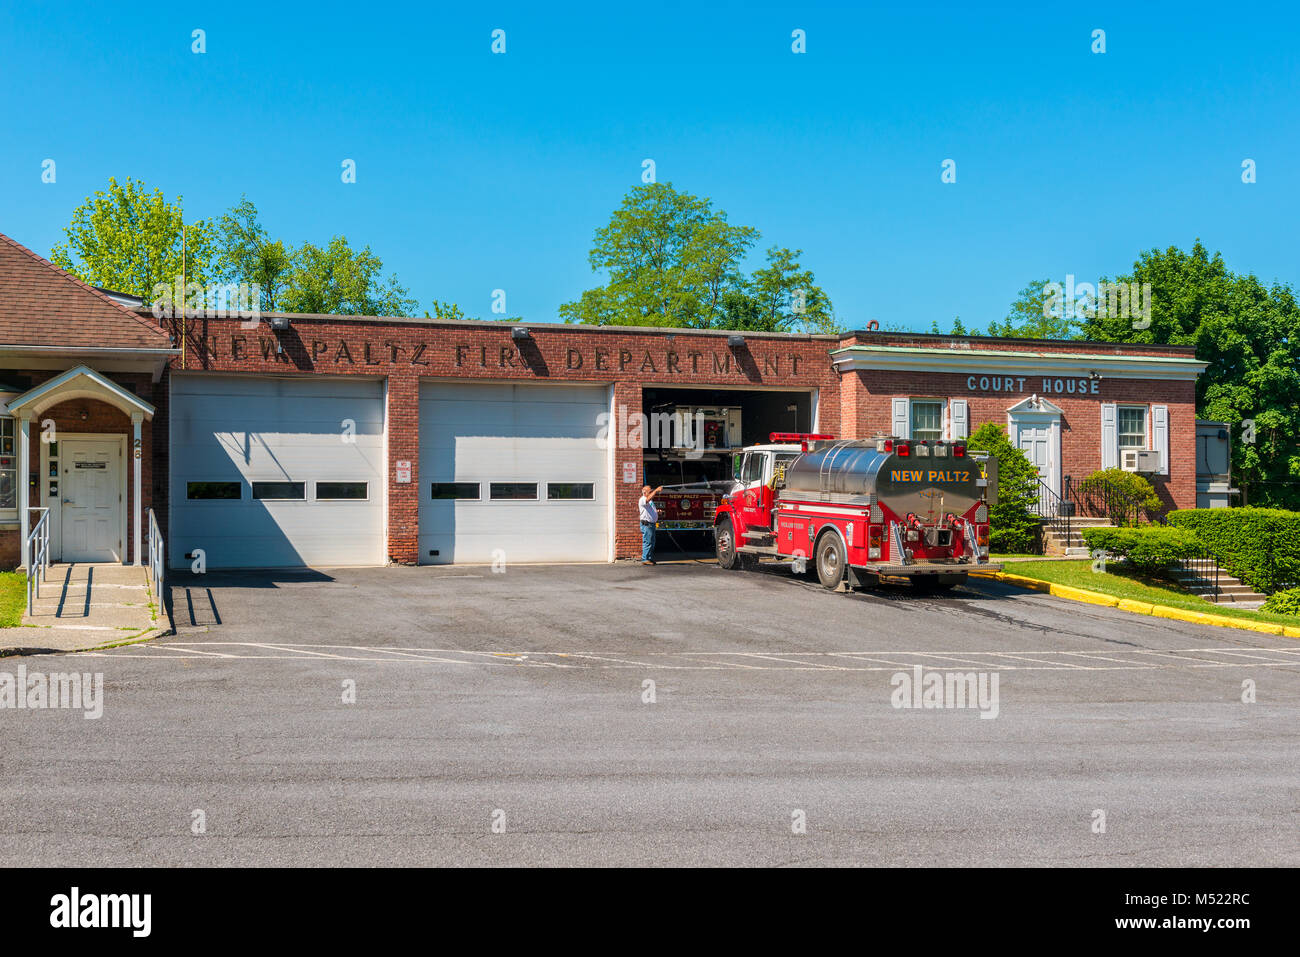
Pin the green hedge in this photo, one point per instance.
(1284, 602)
(1261, 546)
(1148, 548)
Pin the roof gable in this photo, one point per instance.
(43, 305)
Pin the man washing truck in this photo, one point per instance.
(649, 516)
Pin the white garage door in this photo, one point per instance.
(512, 472)
(277, 472)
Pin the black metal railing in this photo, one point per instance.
(1054, 510)
(1199, 573)
(1098, 498)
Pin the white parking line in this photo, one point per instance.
(1047, 660)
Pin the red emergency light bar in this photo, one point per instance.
(803, 438)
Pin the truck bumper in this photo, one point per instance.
(924, 568)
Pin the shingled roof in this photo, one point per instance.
(43, 305)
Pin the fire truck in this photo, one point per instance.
(691, 449)
(860, 509)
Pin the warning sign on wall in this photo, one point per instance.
(403, 471)
(629, 473)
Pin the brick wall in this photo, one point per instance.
(871, 391)
(10, 548)
(405, 352)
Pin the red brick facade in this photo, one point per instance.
(407, 351)
(851, 404)
(868, 394)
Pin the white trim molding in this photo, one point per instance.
(997, 362)
(82, 382)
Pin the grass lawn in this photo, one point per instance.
(13, 598)
(1114, 581)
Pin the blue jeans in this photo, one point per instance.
(647, 541)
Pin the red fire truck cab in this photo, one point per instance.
(860, 509)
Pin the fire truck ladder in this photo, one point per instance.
(896, 544)
(972, 544)
(827, 467)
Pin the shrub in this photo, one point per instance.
(1284, 602)
(1261, 546)
(1131, 488)
(1012, 527)
(1148, 548)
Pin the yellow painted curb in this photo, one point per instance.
(1078, 594)
(1142, 607)
(1137, 607)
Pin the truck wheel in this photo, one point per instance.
(830, 561)
(724, 536)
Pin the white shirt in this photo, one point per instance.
(648, 511)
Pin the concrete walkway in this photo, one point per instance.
(84, 606)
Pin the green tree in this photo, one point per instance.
(1249, 334)
(670, 259)
(338, 280)
(787, 297)
(445, 310)
(958, 329)
(1012, 527)
(245, 253)
(129, 240)
(1035, 315)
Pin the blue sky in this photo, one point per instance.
(478, 171)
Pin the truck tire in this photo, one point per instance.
(724, 537)
(830, 561)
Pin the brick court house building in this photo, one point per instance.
(314, 440)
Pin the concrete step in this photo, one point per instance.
(1249, 600)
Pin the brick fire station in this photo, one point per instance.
(308, 440)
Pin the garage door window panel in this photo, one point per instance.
(342, 491)
(455, 491)
(280, 491)
(214, 491)
(570, 491)
(512, 491)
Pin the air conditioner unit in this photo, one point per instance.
(1146, 461)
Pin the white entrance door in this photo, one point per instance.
(1035, 442)
(91, 500)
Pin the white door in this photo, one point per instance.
(91, 501)
(1035, 442)
(271, 472)
(513, 473)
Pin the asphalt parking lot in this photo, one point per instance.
(680, 714)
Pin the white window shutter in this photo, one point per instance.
(1109, 437)
(1160, 435)
(902, 427)
(960, 419)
